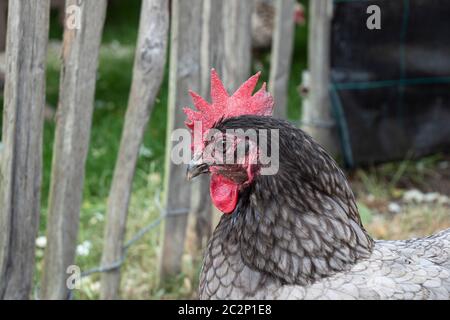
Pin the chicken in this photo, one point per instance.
(263, 22)
(296, 234)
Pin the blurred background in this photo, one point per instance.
(402, 188)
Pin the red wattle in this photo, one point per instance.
(224, 193)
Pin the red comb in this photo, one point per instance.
(242, 102)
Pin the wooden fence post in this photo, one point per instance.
(21, 157)
(80, 51)
(280, 64)
(148, 73)
(237, 48)
(225, 46)
(184, 74)
(317, 117)
(200, 216)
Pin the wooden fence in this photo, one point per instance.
(204, 34)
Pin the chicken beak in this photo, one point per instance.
(196, 167)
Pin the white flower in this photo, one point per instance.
(41, 242)
(84, 248)
(145, 152)
(413, 195)
(99, 216)
(431, 197)
(95, 286)
(394, 207)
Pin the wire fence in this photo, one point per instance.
(163, 214)
(390, 97)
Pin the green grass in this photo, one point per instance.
(111, 96)
(383, 181)
(113, 84)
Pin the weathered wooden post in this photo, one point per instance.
(282, 46)
(237, 48)
(148, 73)
(184, 74)
(21, 157)
(317, 116)
(81, 44)
(200, 216)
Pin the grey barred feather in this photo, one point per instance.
(298, 235)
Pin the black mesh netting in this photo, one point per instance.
(391, 87)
